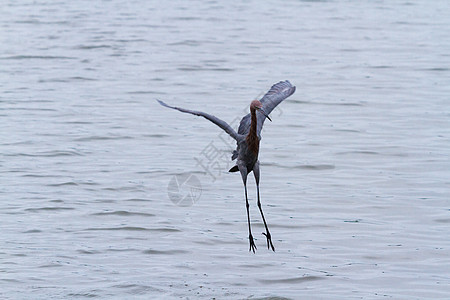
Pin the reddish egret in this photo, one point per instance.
(247, 139)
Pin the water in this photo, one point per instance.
(355, 165)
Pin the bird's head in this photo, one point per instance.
(257, 105)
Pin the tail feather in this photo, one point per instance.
(234, 169)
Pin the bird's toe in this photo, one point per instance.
(269, 240)
(252, 244)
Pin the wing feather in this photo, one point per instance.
(277, 93)
(222, 124)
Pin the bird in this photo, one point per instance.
(248, 139)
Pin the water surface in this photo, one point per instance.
(355, 165)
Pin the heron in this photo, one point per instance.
(247, 139)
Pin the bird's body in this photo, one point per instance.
(248, 138)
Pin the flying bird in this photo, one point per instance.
(247, 139)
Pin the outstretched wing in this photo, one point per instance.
(222, 124)
(277, 93)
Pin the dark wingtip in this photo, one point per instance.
(163, 103)
(160, 102)
(292, 86)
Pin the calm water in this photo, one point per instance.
(355, 165)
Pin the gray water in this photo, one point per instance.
(355, 165)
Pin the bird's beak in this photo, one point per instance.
(264, 113)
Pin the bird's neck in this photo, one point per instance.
(252, 137)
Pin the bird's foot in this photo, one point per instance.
(269, 240)
(252, 244)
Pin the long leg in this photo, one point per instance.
(267, 234)
(244, 173)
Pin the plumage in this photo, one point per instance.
(248, 138)
(222, 124)
(277, 93)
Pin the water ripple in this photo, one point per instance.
(123, 213)
(49, 209)
(54, 153)
(291, 280)
(318, 167)
(36, 57)
(164, 252)
(133, 228)
(102, 138)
